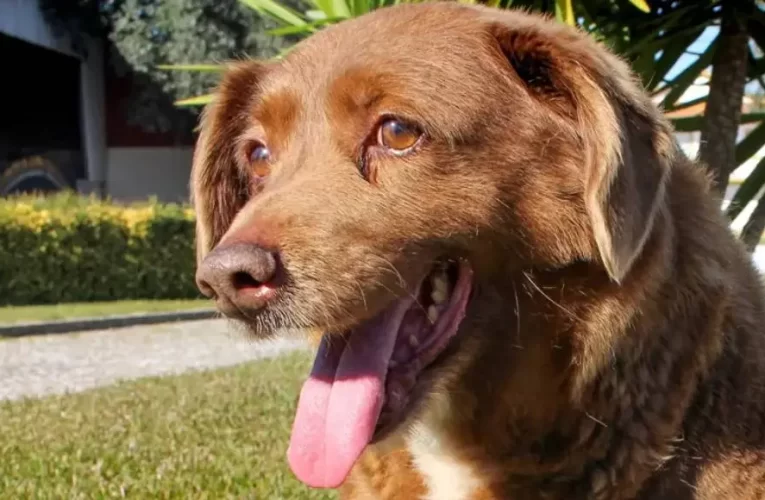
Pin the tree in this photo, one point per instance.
(654, 42)
(722, 115)
(143, 35)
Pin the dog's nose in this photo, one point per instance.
(241, 277)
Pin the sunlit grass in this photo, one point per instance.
(215, 434)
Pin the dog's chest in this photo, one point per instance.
(445, 477)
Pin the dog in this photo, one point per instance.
(518, 285)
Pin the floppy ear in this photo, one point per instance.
(627, 145)
(218, 188)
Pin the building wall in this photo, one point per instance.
(136, 173)
(141, 164)
(23, 19)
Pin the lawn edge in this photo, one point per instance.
(103, 323)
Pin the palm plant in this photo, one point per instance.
(655, 36)
(319, 13)
(655, 41)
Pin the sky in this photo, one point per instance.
(698, 47)
(701, 89)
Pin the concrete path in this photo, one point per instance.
(55, 364)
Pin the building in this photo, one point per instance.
(69, 132)
(72, 133)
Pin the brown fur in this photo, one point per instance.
(613, 347)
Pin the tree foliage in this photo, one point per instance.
(145, 34)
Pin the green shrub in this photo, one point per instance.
(69, 248)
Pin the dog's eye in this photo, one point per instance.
(397, 135)
(259, 153)
(259, 156)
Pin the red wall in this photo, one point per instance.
(119, 133)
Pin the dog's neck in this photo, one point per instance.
(539, 408)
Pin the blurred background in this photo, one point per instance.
(113, 377)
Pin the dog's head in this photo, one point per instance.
(372, 182)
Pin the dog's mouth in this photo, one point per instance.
(362, 384)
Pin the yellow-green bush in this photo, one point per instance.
(69, 248)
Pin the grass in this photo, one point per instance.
(215, 434)
(20, 314)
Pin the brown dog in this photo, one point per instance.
(527, 290)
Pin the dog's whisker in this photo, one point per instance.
(518, 342)
(597, 421)
(363, 296)
(550, 299)
(402, 282)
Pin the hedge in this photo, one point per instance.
(69, 248)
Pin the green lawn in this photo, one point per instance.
(215, 434)
(19, 314)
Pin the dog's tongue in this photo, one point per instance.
(341, 400)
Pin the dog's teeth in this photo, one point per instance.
(438, 295)
(413, 341)
(432, 314)
(440, 288)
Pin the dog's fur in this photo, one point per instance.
(613, 346)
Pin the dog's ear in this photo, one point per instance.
(218, 188)
(627, 145)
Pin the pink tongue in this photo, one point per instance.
(341, 400)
